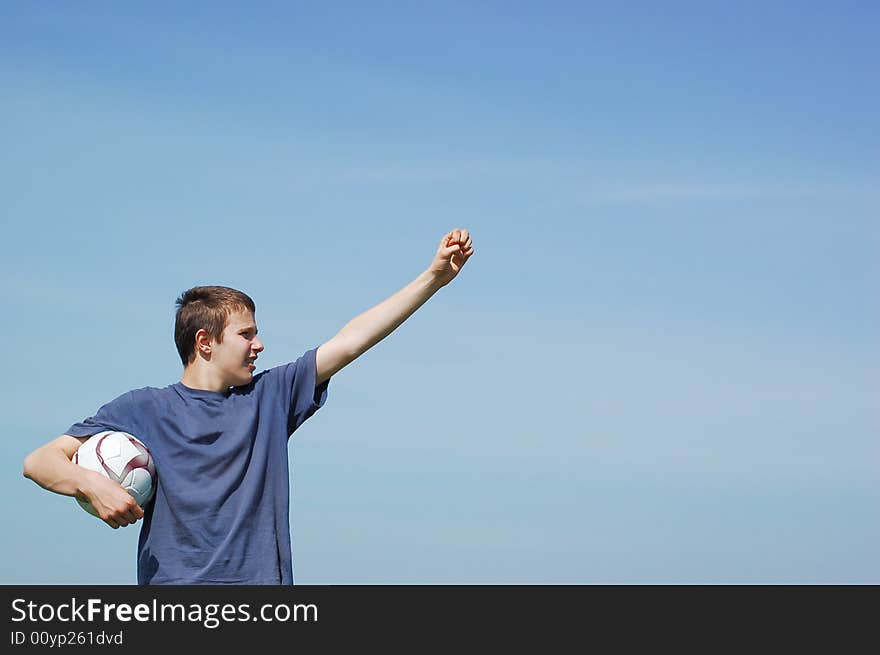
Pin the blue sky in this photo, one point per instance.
(660, 366)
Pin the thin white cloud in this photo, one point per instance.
(706, 190)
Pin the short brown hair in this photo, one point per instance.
(208, 308)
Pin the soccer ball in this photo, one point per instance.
(121, 457)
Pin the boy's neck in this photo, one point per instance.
(197, 377)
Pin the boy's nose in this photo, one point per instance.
(258, 345)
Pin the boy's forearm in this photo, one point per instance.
(53, 470)
(366, 330)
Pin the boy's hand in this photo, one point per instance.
(114, 505)
(455, 249)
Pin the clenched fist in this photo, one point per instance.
(453, 252)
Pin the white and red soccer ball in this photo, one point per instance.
(121, 457)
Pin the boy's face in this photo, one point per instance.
(235, 355)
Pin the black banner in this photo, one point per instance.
(419, 617)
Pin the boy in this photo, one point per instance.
(219, 436)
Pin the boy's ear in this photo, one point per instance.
(203, 342)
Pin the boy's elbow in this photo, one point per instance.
(27, 469)
(33, 463)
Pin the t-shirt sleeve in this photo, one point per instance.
(306, 397)
(119, 414)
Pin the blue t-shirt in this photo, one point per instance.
(220, 513)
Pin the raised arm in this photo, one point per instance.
(366, 330)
